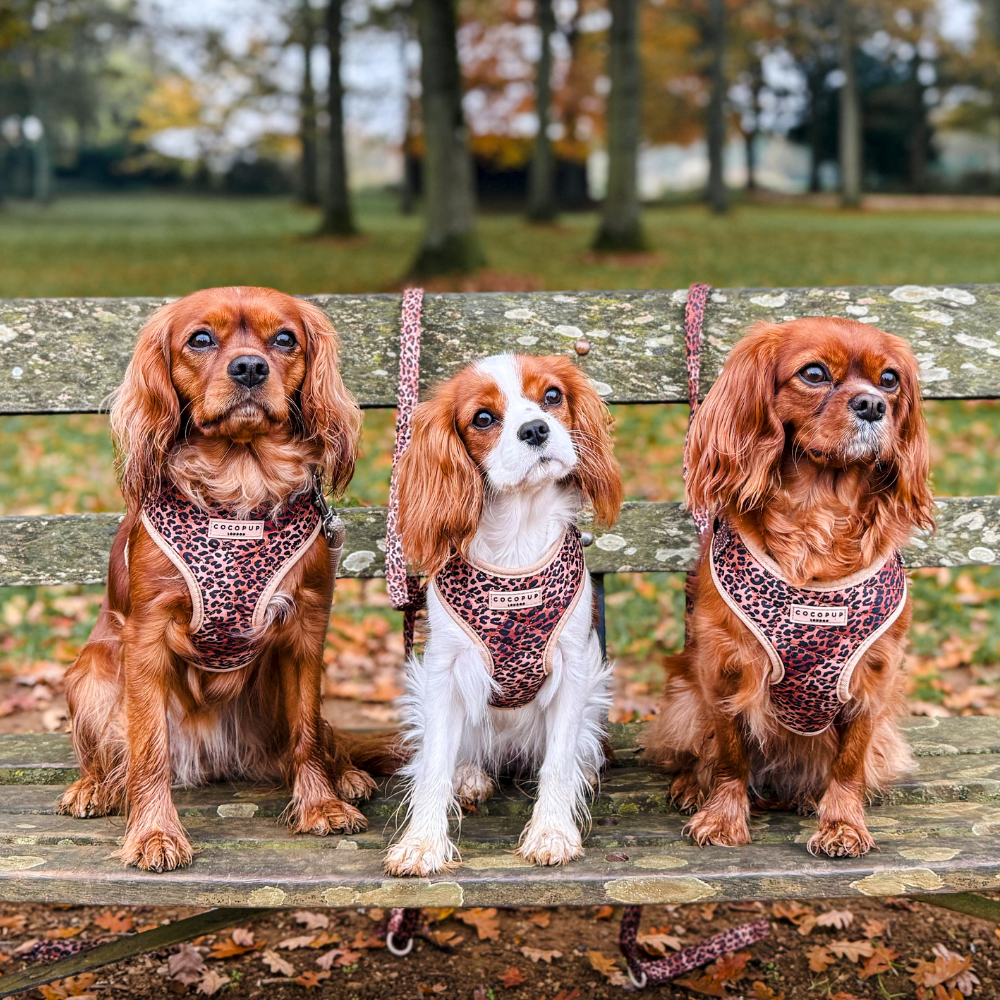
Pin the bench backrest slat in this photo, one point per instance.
(66, 355)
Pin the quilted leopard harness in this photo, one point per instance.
(234, 566)
(813, 636)
(514, 616)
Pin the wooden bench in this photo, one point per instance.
(936, 830)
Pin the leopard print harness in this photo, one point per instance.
(515, 616)
(813, 636)
(233, 566)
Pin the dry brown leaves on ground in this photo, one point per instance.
(276, 963)
(312, 921)
(115, 923)
(74, 986)
(949, 969)
(607, 967)
(539, 955)
(511, 977)
(714, 980)
(484, 920)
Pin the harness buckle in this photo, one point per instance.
(331, 522)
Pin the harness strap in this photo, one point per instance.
(405, 592)
(694, 320)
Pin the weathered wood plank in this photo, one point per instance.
(66, 355)
(650, 537)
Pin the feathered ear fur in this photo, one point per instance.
(912, 458)
(145, 412)
(330, 414)
(440, 487)
(597, 473)
(736, 440)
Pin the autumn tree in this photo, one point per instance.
(541, 192)
(850, 146)
(307, 106)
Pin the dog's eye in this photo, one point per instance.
(284, 339)
(814, 374)
(552, 397)
(889, 380)
(200, 340)
(483, 419)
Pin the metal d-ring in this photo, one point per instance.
(637, 983)
(400, 952)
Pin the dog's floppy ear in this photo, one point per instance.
(440, 487)
(736, 439)
(330, 414)
(597, 473)
(145, 411)
(912, 456)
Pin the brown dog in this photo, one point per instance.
(232, 403)
(812, 445)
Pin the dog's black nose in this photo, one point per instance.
(868, 406)
(248, 370)
(534, 432)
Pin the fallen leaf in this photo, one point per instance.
(762, 991)
(819, 959)
(310, 979)
(314, 921)
(572, 994)
(362, 941)
(325, 938)
(879, 962)
(853, 951)
(115, 923)
(74, 986)
(965, 981)
(540, 919)
(446, 939)
(60, 933)
(840, 919)
(791, 911)
(512, 976)
(186, 964)
(277, 964)
(230, 948)
(607, 912)
(484, 920)
(807, 923)
(607, 967)
(375, 914)
(873, 928)
(211, 982)
(729, 968)
(926, 973)
(699, 982)
(435, 914)
(708, 911)
(538, 955)
(427, 991)
(17, 922)
(243, 936)
(339, 957)
(290, 944)
(658, 940)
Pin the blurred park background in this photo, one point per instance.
(154, 148)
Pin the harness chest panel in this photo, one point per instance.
(515, 616)
(814, 636)
(232, 566)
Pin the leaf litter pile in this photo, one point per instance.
(837, 950)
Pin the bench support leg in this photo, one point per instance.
(129, 947)
(970, 903)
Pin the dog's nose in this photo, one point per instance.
(868, 406)
(534, 432)
(248, 370)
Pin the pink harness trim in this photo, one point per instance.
(515, 616)
(813, 636)
(232, 567)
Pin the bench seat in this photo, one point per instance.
(935, 831)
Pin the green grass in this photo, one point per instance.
(170, 245)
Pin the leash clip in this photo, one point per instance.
(332, 525)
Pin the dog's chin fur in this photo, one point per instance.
(823, 508)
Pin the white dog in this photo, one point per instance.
(489, 492)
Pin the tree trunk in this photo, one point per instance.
(620, 226)
(816, 109)
(338, 220)
(750, 138)
(307, 109)
(716, 130)
(42, 182)
(541, 192)
(450, 243)
(920, 135)
(851, 135)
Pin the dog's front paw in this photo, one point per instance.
(411, 856)
(551, 847)
(722, 828)
(472, 785)
(841, 839)
(156, 850)
(325, 816)
(354, 785)
(87, 798)
(686, 792)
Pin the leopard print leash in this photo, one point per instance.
(405, 592)
(694, 321)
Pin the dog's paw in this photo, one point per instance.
(841, 839)
(156, 850)
(85, 799)
(722, 828)
(550, 847)
(686, 792)
(411, 856)
(354, 785)
(325, 816)
(472, 785)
